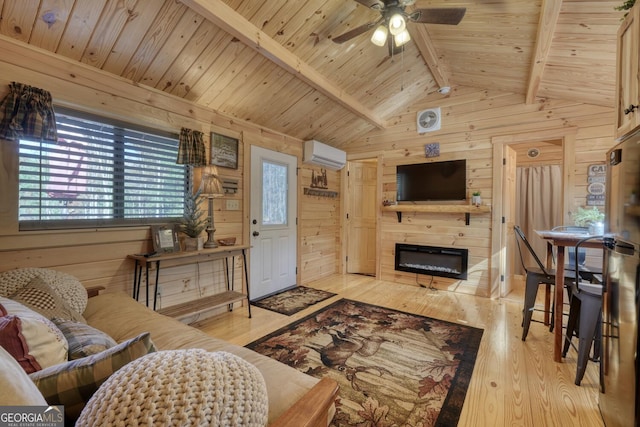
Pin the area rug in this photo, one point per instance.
(394, 368)
(293, 300)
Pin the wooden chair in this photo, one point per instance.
(535, 276)
(585, 314)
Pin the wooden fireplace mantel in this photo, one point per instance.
(467, 210)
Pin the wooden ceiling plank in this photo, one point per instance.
(173, 47)
(197, 79)
(48, 29)
(188, 57)
(131, 36)
(105, 34)
(18, 18)
(154, 39)
(225, 17)
(79, 28)
(549, 14)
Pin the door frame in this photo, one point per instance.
(498, 235)
(343, 209)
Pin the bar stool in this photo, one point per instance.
(585, 314)
(536, 276)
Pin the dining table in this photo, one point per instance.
(562, 239)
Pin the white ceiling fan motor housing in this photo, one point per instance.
(429, 120)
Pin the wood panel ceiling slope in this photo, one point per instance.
(273, 63)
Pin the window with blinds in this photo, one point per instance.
(100, 173)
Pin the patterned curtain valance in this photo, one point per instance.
(191, 150)
(27, 112)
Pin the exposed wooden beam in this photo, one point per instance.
(549, 13)
(439, 71)
(223, 16)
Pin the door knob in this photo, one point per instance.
(256, 234)
(631, 109)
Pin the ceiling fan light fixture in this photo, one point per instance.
(397, 24)
(401, 38)
(379, 36)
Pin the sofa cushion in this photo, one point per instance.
(32, 339)
(40, 297)
(84, 340)
(73, 383)
(16, 388)
(65, 285)
(171, 387)
(285, 385)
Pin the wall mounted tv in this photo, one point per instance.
(435, 181)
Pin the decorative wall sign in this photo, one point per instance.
(319, 185)
(318, 192)
(319, 180)
(224, 151)
(596, 180)
(432, 150)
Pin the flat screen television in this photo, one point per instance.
(435, 181)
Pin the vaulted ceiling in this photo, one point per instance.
(274, 63)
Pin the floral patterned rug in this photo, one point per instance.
(394, 368)
(293, 300)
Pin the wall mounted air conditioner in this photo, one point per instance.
(317, 153)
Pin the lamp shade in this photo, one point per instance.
(397, 24)
(379, 36)
(211, 184)
(401, 38)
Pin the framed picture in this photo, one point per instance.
(165, 238)
(224, 151)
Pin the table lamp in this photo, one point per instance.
(211, 186)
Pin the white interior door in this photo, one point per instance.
(273, 222)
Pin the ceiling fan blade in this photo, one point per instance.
(443, 15)
(355, 32)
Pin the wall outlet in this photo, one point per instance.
(233, 205)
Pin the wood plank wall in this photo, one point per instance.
(98, 256)
(470, 119)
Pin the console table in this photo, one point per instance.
(228, 297)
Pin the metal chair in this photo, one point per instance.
(587, 272)
(535, 277)
(585, 314)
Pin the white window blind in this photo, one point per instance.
(100, 173)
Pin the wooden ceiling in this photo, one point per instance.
(273, 63)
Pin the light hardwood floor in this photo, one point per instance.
(514, 383)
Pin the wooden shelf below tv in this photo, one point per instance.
(467, 210)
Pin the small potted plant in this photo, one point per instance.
(592, 218)
(476, 200)
(193, 222)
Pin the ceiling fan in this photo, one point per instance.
(392, 24)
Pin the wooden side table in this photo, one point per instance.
(228, 297)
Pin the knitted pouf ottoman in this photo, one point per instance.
(180, 388)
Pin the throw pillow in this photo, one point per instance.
(84, 340)
(73, 383)
(32, 339)
(179, 387)
(16, 388)
(39, 297)
(65, 285)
